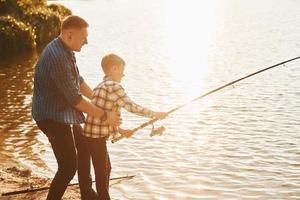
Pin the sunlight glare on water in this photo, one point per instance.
(190, 29)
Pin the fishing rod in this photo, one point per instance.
(161, 129)
(46, 188)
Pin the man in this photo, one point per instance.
(57, 107)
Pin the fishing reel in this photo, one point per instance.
(157, 131)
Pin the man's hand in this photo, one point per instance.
(113, 118)
(160, 115)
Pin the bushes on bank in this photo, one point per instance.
(59, 9)
(9, 6)
(27, 23)
(15, 36)
(45, 24)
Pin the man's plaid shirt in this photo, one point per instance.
(110, 96)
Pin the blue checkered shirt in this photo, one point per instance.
(57, 85)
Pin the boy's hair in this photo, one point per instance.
(73, 21)
(110, 60)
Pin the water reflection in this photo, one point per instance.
(17, 130)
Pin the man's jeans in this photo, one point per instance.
(61, 139)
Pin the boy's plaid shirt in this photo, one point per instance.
(110, 96)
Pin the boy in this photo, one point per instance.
(110, 96)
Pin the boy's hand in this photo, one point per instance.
(126, 132)
(113, 118)
(160, 115)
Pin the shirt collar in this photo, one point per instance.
(65, 47)
(107, 78)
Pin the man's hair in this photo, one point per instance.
(73, 21)
(110, 60)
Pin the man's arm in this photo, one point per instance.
(86, 90)
(84, 106)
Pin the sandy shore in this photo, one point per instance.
(15, 178)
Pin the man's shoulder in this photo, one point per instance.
(54, 50)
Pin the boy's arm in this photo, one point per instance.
(125, 102)
(125, 132)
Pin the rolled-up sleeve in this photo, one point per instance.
(65, 81)
(125, 102)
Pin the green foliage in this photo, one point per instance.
(60, 10)
(46, 24)
(29, 19)
(7, 7)
(17, 7)
(15, 37)
(31, 3)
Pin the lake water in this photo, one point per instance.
(240, 143)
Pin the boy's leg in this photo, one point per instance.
(83, 163)
(61, 139)
(101, 165)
